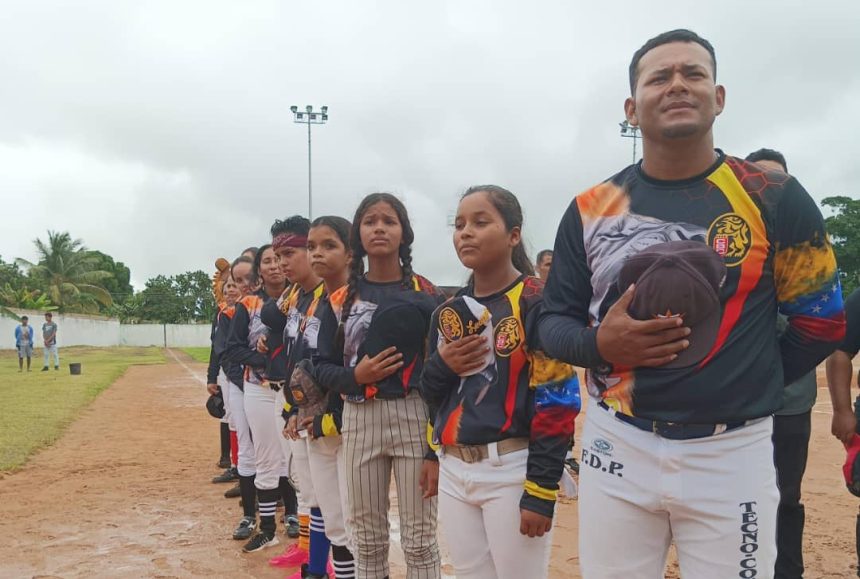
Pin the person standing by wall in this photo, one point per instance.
(49, 338)
(24, 342)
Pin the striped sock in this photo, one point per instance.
(304, 532)
(343, 562)
(319, 544)
(267, 502)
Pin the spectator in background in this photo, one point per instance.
(24, 342)
(792, 425)
(543, 263)
(769, 160)
(49, 337)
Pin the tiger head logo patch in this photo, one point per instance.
(730, 236)
(507, 336)
(450, 324)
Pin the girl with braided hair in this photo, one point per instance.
(371, 352)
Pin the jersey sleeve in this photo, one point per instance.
(851, 344)
(807, 284)
(214, 355)
(564, 325)
(328, 361)
(556, 406)
(237, 349)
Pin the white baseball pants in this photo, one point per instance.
(296, 460)
(247, 463)
(715, 498)
(328, 473)
(263, 414)
(224, 384)
(479, 506)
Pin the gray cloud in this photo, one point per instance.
(160, 132)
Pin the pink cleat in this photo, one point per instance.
(292, 557)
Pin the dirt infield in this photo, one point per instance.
(126, 492)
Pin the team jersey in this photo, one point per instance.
(523, 394)
(299, 307)
(215, 353)
(246, 327)
(778, 257)
(274, 318)
(301, 334)
(335, 369)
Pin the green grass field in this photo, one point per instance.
(199, 354)
(38, 406)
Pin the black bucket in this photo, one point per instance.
(75, 369)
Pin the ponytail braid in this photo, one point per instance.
(405, 253)
(355, 271)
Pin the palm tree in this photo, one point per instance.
(68, 274)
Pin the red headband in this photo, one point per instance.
(283, 240)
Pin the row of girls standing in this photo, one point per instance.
(479, 394)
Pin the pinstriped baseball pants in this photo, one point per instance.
(378, 436)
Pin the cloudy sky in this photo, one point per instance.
(160, 132)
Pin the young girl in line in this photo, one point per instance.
(242, 272)
(384, 418)
(259, 402)
(329, 257)
(217, 374)
(289, 237)
(504, 412)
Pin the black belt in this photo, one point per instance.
(673, 430)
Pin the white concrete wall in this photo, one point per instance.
(80, 330)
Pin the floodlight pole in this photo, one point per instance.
(310, 117)
(631, 131)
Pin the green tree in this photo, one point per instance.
(12, 275)
(186, 297)
(844, 230)
(68, 273)
(119, 283)
(25, 299)
(129, 311)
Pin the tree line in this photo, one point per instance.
(67, 277)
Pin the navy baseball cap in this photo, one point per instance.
(399, 323)
(678, 279)
(215, 405)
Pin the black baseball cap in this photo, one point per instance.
(215, 406)
(400, 323)
(683, 279)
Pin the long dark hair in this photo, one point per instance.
(258, 262)
(508, 206)
(359, 252)
(341, 227)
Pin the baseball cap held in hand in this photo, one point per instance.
(678, 279)
(400, 323)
